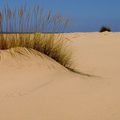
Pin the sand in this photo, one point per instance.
(37, 88)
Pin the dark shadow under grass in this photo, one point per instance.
(82, 73)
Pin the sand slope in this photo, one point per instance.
(37, 88)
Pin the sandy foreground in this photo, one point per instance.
(37, 88)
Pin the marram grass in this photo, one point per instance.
(32, 20)
(49, 44)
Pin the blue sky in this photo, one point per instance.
(85, 15)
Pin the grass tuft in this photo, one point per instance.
(33, 19)
(21, 20)
(48, 44)
(104, 29)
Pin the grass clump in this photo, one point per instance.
(33, 19)
(44, 43)
(38, 25)
(104, 29)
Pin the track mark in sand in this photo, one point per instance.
(20, 93)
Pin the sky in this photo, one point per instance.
(85, 15)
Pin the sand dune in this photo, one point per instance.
(36, 87)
